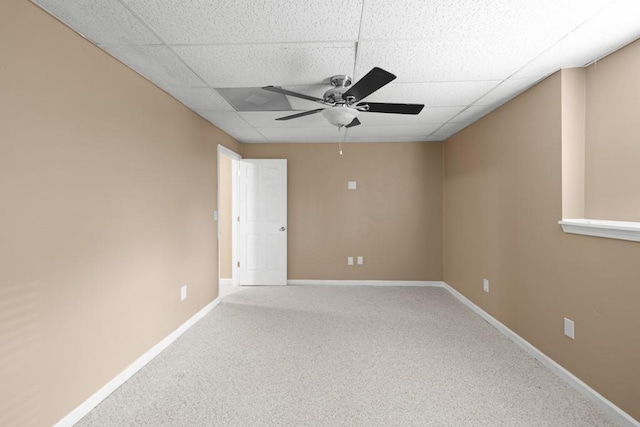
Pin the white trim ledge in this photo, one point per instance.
(623, 230)
(365, 283)
(93, 401)
(617, 414)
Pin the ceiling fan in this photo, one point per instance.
(345, 102)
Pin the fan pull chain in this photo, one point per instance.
(342, 139)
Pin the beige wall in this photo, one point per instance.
(393, 219)
(573, 115)
(107, 192)
(224, 216)
(502, 201)
(613, 142)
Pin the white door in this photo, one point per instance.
(262, 222)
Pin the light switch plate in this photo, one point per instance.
(352, 185)
(350, 260)
(183, 293)
(360, 260)
(569, 328)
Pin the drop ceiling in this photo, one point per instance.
(461, 59)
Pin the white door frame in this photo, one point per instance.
(222, 150)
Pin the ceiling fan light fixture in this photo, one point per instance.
(340, 116)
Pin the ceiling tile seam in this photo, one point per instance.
(264, 43)
(587, 20)
(557, 42)
(260, 133)
(473, 103)
(42, 7)
(157, 35)
(356, 59)
(103, 45)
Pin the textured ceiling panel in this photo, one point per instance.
(234, 21)
(506, 91)
(442, 94)
(447, 130)
(157, 63)
(408, 131)
(268, 120)
(224, 119)
(606, 32)
(326, 133)
(387, 139)
(472, 114)
(199, 98)
(446, 60)
(499, 20)
(246, 135)
(101, 21)
(428, 115)
(268, 64)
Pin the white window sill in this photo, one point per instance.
(623, 230)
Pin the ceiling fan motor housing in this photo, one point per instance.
(340, 85)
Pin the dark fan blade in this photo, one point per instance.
(290, 93)
(384, 107)
(371, 82)
(354, 122)
(305, 113)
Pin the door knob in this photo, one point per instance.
(282, 228)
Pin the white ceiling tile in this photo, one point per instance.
(498, 20)
(328, 133)
(409, 131)
(440, 94)
(233, 21)
(388, 139)
(268, 64)
(223, 119)
(157, 63)
(472, 114)
(101, 21)
(440, 60)
(199, 98)
(267, 119)
(506, 91)
(448, 129)
(428, 115)
(246, 135)
(614, 27)
(298, 140)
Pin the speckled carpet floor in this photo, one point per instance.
(344, 356)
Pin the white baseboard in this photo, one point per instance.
(225, 282)
(609, 408)
(365, 283)
(93, 401)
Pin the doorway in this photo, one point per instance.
(252, 221)
(227, 227)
